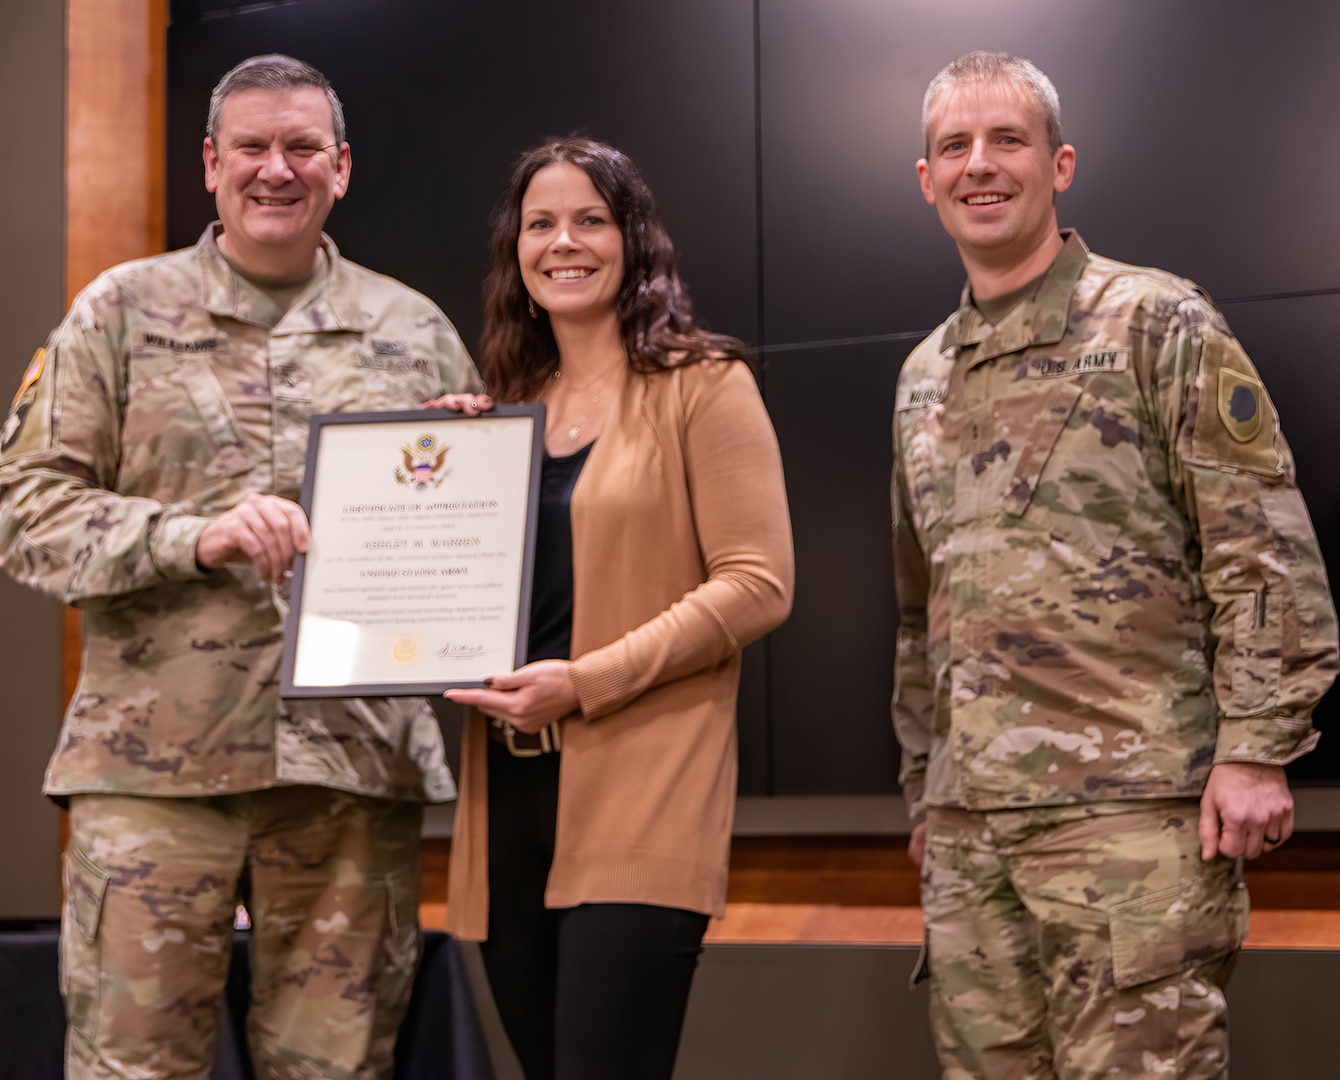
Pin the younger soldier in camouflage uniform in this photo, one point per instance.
(1115, 623)
(147, 476)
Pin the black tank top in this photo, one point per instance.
(551, 586)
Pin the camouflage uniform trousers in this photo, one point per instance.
(332, 883)
(1079, 942)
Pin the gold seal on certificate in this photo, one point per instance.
(423, 541)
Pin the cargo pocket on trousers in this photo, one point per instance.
(400, 946)
(1158, 937)
(80, 941)
(921, 970)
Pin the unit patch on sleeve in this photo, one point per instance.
(1240, 401)
(18, 409)
(30, 376)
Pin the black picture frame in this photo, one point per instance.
(412, 421)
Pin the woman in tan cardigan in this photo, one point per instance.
(589, 864)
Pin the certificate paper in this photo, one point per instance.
(423, 540)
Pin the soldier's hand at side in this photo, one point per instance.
(916, 843)
(263, 530)
(1246, 809)
(470, 404)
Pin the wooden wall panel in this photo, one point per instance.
(865, 890)
(114, 134)
(115, 109)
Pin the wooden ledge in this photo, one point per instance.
(864, 890)
(834, 924)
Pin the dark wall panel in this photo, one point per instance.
(832, 663)
(441, 97)
(1198, 126)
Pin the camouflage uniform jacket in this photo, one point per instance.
(172, 390)
(1107, 577)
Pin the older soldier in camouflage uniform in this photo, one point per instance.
(1115, 623)
(148, 470)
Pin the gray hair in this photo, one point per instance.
(273, 71)
(985, 67)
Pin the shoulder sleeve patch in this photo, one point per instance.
(1235, 420)
(31, 375)
(23, 401)
(1241, 404)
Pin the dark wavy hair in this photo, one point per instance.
(519, 353)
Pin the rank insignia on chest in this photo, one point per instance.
(1241, 400)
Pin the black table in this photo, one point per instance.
(440, 1039)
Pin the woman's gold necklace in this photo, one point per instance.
(575, 428)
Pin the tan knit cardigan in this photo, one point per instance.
(681, 557)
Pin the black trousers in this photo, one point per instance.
(595, 992)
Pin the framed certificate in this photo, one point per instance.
(418, 576)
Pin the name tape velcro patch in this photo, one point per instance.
(921, 395)
(1057, 367)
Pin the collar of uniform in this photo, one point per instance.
(334, 307)
(1041, 322)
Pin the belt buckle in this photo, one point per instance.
(550, 740)
(509, 737)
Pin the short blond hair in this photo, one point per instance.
(986, 67)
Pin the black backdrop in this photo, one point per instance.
(780, 137)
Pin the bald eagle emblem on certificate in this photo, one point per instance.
(425, 459)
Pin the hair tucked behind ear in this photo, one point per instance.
(655, 317)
